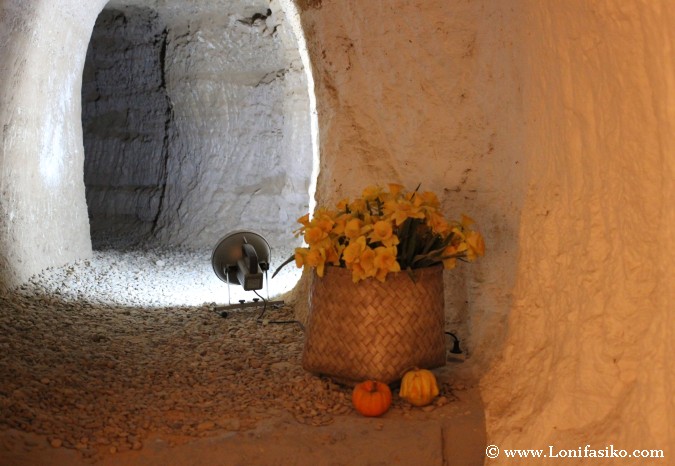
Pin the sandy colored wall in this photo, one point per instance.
(588, 359)
(426, 92)
(550, 122)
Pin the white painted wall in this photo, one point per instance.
(43, 216)
(240, 154)
(550, 122)
(588, 354)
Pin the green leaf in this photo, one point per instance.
(404, 236)
(434, 253)
(431, 244)
(411, 274)
(408, 246)
(458, 255)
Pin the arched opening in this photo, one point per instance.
(127, 124)
(566, 279)
(196, 123)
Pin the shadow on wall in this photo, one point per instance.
(127, 124)
(227, 110)
(192, 129)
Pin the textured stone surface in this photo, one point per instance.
(118, 374)
(195, 124)
(427, 92)
(43, 217)
(588, 354)
(127, 123)
(550, 122)
(242, 159)
(204, 129)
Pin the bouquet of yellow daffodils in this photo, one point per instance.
(383, 231)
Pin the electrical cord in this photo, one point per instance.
(455, 347)
(260, 319)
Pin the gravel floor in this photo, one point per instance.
(97, 354)
(152, 277)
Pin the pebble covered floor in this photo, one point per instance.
(93, 357)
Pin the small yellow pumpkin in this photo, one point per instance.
(419, 387)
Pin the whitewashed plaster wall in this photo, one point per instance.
(552, 123)
(588, 355)
(428, 92)
(241, 152)
(212, 129)
(43, 215)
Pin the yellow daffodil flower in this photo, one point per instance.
(454, 250)
(339, 225)
(342, 205)
(357, 206)
(475, 245)
(467, 221)
(395, 189)
(365, 234)
(355, 228)
(429, 199)
(400, 211)
(312, 258)
(314, 234)
(304, 220)
(353, 251)
(367, 262)
(384, 233)
(371, 193)
(385, 262)
(438, 224)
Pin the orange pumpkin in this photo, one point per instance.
(371, 398)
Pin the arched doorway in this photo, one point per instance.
(196, 122)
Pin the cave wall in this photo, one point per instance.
(552, 124)
(246, 161)
(127, 124)
(549, 122)
(43, 215)
(207, 124)
(588, 356)
(428, 92)
(233, 148)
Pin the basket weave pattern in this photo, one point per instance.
(374, 330)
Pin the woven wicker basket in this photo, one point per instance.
(374, 330)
